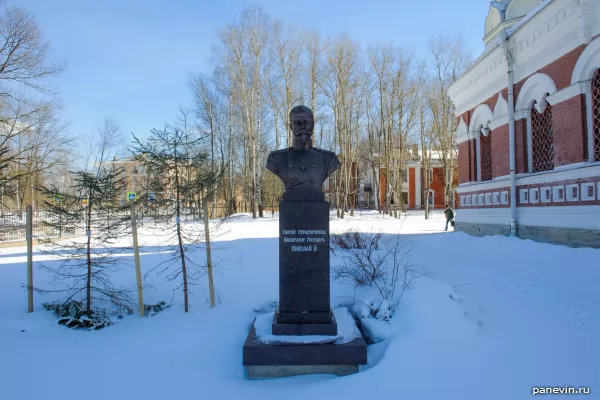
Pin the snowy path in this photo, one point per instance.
(520, 314)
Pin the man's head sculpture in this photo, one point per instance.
(301, 167)
(302, 124)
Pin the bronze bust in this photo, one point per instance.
(302, 167)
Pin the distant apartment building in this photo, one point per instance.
(134, 175)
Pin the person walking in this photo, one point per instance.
(449, 213)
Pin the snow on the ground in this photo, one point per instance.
(495, 317)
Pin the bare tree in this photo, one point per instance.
(449, 61)
(426, 140)
(381, 61)
(318, 70)
(343, 90)
(287, 49)
(24, 69)
(46, 144)
(392, 117)
(212, 117)
(407, 88)
(23, 54)
(31, 139)
(245, 54)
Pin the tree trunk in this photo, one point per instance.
(180, 239)
(89, 257)
(211, 288)
(258, 193)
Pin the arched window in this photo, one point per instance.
(596, 113)
(485, 151)
(541, 140)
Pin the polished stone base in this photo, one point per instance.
(281, 371)
(324, 326)
(290, 359)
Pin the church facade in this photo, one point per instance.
(528, 132)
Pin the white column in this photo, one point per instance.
(529, 134)
(478, 155)
(589, 111)
(418, 187)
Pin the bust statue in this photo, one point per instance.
(302, 167)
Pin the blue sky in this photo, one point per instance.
(130, 59)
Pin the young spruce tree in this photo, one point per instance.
(91, 206)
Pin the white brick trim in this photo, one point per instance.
(462, 131)
(574, 216)
(588, 63)
(584, 191)
(497, 123)
(521, 114)
(569, 172)
(535, 88)
(501, 107)
(566, 93)
(482, 115)
(560, 175)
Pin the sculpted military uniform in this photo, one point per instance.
(304, 170)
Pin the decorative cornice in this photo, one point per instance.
(549, 34)
(475, 86)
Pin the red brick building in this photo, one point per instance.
(412, 194)
(547, 53)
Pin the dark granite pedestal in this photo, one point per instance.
(304, 298)
(304, 295)
(280, 360)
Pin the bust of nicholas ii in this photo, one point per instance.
(302, 167)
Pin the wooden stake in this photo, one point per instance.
(136, 257)
(29, 234)
(211, 287)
